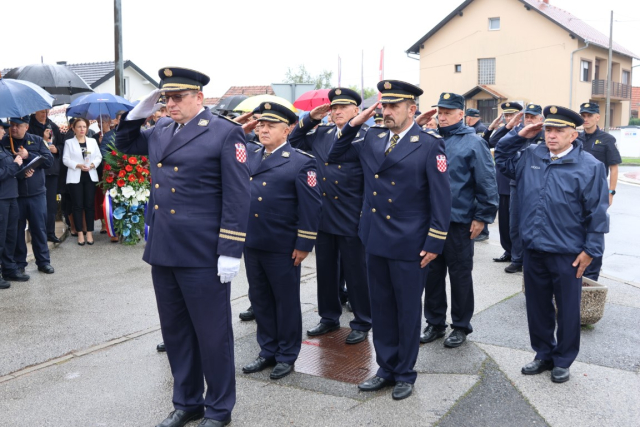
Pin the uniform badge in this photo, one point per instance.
(387, 85)
(507, 105)
(168, 72)
(446, 96)
(29, 142)
(311, 178)
(382, 135)
(531, 107)
(441, 163)
(586, 105)
(286, 154)
(414, 138)
(241, 153)
(338, 92)
(598, 141)
(357, 134)
(329, 131)
(203, 122)
(553, 110)
(267, 106)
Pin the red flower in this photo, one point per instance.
(143, 158)
(107, 167)
(133, 160)
(124, 156)
(122, 174)
(128, 168)
(109, 179)
(139, 168)
(145, 171)
(121, 183)
(113, 153)
(141, 180)
(132, 178)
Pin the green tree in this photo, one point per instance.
(634, 122)
(368, 92)
(301, 75)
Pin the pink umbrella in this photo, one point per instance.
(310, 100)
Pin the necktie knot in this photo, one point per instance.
(554, 158)
(265, 155)
(179, 128)
(392, 143)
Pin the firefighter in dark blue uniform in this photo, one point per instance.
(472, 117)
(338, 245)
(475, 201)
(197, 217)
(602, 146)
(378, 119)
(282, 230)
(32, 201)
(404, 224)
(562, 192)
(9, 166)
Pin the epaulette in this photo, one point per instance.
(304, 152)
(327, 124)
(227, 118)
(432, 133)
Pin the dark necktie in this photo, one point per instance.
(180, 126)
(392, 143)
(265, 155)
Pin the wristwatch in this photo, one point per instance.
(612, 192)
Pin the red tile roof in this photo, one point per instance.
(211, 101)
(248, 91)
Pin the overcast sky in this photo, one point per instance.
(253, 42)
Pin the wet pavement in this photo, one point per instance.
(77, 348)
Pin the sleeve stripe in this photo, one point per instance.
(442, 233)
(235, 233)
(310, 233)
(237, 239)
(437, 236)
(307, 237)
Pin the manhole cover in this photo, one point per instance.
(328, 356)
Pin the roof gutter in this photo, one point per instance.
(571, 75)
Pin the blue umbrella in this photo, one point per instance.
(94, 105)
(19, 98)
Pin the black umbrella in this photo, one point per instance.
(55, 79)
(229, 103)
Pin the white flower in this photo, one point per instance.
(128, 192)
(113, 192)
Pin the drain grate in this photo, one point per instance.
(328, 356)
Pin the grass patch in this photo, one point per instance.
(587, 327)
(631, 161)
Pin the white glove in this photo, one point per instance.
(228, 268)
(145, 108)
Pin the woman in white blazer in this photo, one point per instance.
(81, 157)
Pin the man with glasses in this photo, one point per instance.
(197, 217)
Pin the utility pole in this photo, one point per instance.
(607, 116)
(117, 27)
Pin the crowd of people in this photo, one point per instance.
(391, 210)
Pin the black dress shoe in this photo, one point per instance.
(247, 315)
(54, 239)
(430, 333)
(46, 268)
(208, 422)
(560, 375)
(321, 329)
(513, 268)
(505, 257)
(16, 277)
(179, 418)
(455, 339)
(374, 384)
(355, 337)
(537, 367)
(257, 365)
(481, 238)
(4, 284)
(281, 370)
(160, 348)
(402, 390)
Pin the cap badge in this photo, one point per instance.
(586, 105)
(338, 92)
(553, 110)
(267, 106)
(507, 105)
(531, 107)
(446, 96)
(168, 72)
(387, 85)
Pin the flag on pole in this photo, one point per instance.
(339, 71)
(362, 76)
(381, 75)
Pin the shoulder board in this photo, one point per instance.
(327, 124)
(432, 133)
(257, 149)
(304, 152)
(227, 118)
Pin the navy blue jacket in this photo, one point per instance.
(407, 198)
(563, 204)
(474, 194)
(37, 128)
(285, 201)
(35, 185)
(480, 128)
(199, 201)
(341, 181)
(8, 181)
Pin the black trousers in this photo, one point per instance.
(8, 234)
(51, 183)
(457, 259)
(504, 223)
(34, 210)
(82, 198)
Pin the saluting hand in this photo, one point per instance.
(529, 131)
(427, 257)
(424, 118)
(582, 262)
(244, 118)
(320, 111)
(515, 120)
(249, 126)
(298, 257)
(494, 124)
(364, 116)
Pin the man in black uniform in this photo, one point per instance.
(473, 120)
(41, 125)
(32, 202)
(378, 119)
(602, 146)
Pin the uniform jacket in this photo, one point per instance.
(602, 146)
(73, 156)
(474, 194)
(199, 199)
(538, 139)
(480, 128)
(8, 181)
(285, 201)
(37, 128)
(563, 204)
(35, 185)
(407, 198)
(341, 181)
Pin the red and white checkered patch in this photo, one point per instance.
(311, 179)
(441, 162)
(241, 153)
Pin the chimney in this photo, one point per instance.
(545, 1)
(61, 62)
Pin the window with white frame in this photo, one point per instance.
(626, 77)
(494, 24)
(458, 68)
(487, 71)
(585, 71)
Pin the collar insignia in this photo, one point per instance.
(203, 122)
(415, 138)
(286, 154)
